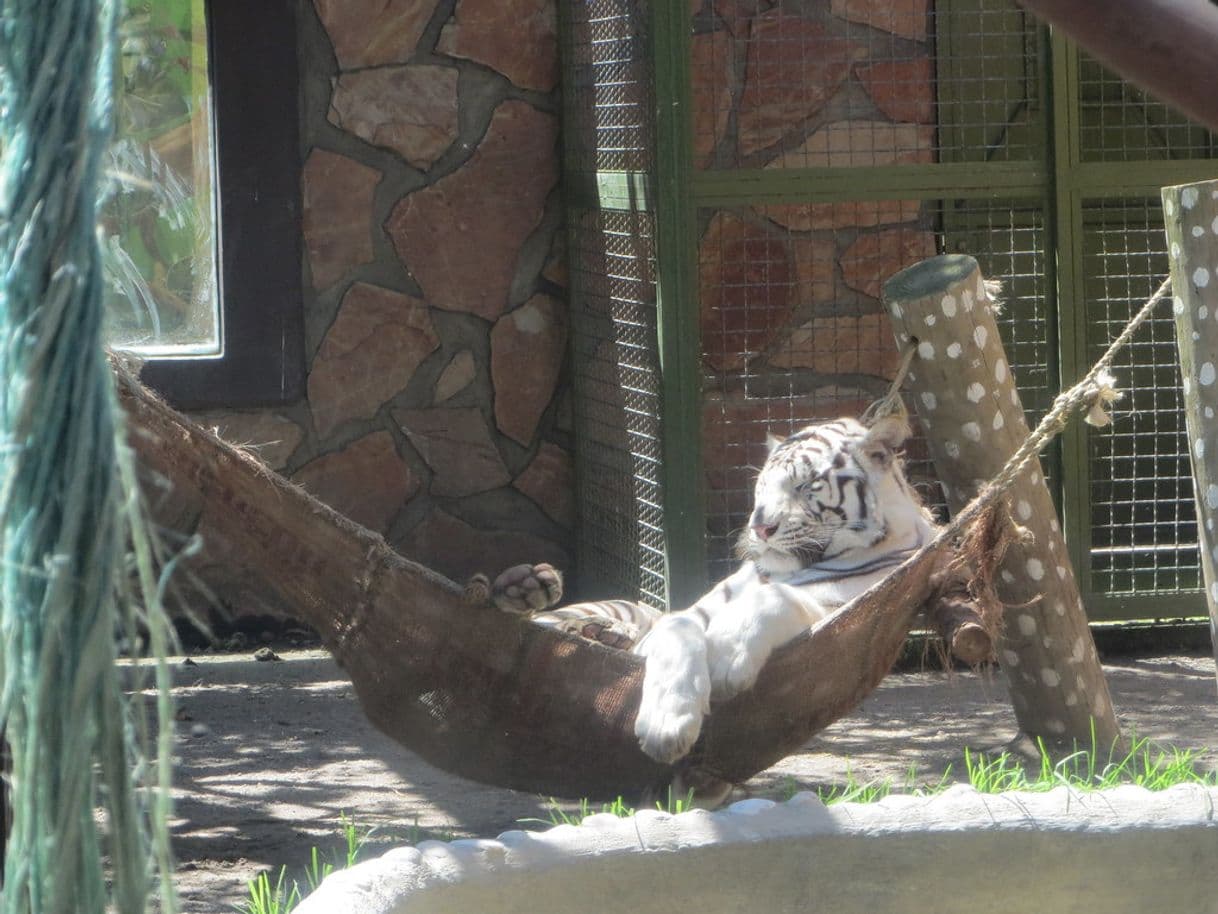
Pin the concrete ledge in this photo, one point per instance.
(1123, 850)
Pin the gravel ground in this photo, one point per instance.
(270, 756)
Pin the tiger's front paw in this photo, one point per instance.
(676, 689)
(527, 588)
(733, 669)
(668, 725)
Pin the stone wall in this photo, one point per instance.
(792, 327)
(436, 409)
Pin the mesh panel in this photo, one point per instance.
(793, 331)
(1143, 521)
(607, 103)
(607, 91)
(809, 84)
(616, 377)
(1121, 123)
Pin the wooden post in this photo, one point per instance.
(970, 410)
(1190, 215)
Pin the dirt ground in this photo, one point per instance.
(271, 755)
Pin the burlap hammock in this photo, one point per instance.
(500, 700)
(472, 690)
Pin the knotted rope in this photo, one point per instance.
(65, 515)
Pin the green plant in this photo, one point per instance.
(1088, 768)
(855, 791)
(281, 896)
(1143, 764)
(267, 899)
(557, 815)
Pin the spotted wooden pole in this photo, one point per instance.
(1190, 214)
(970, 410)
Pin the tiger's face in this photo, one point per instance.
(825, 492)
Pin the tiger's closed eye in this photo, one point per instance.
(810, 488)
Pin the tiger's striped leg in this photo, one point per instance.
(676, 687)
(614, 623)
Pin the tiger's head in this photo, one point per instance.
(828, 491)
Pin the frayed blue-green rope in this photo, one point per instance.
(67, 508)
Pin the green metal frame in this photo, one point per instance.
(1060, 182)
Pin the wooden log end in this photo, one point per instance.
(929, 276)
(971, 644)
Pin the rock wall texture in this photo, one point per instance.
(434, 296)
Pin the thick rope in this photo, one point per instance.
(64, 515)
(1093, 385)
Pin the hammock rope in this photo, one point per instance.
(66, 503)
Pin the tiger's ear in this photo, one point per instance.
(884, 439)
(772, 441)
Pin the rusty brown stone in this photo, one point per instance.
(737, 14)
(337, 214)
(841, 344)
(456, 376)
(745, 278)
(793, 68)
(370, 353)
(527, 347)
(556, 269)
(852, 144)
(368, 481)
(411, 109)
(461, 236)
(902, 89)
(809, 217)
(874, 258)
(816, 271)
(549, 481)
(906, 18)
(457, 445)
(459, 551)
(518, 39)
(369, 33)
(711, 70)
(271, 437)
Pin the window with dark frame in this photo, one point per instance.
(251, 54)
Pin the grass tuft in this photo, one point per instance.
(557, 815)
(281, 896)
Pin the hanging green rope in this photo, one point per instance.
(65, 515)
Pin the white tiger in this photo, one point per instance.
(832, 514)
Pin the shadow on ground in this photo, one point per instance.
(269, 756)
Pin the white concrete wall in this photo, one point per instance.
(1125, 850)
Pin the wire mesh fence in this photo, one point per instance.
(1143, 519)
(818, 84)
(1121, 123)
(607, 91)
(621, 549)
(607, 100)
(918, 127)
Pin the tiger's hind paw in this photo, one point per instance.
(527, 588)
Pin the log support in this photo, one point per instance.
(1190, 215)
(962, 386)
